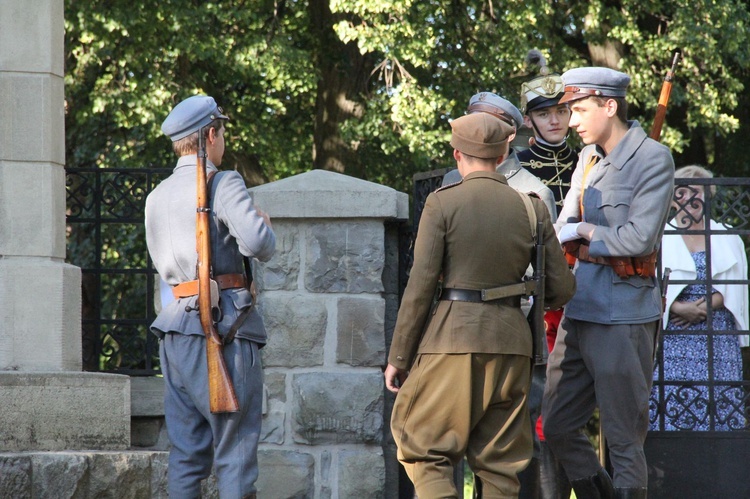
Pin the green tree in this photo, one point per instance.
(367, 87)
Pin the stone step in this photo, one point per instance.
(102, 474)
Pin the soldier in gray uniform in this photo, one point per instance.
(199, 438)
(518, 177)
(612, 221)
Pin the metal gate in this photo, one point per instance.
(704, 454)
(106, 239)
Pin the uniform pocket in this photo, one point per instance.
(614, 205)
(634, 298)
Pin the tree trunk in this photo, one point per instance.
(342, 76)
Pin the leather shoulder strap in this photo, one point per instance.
(530, 212)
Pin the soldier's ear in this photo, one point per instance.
(527, 121)
(611, 106)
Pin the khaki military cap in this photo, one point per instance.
(481, 135)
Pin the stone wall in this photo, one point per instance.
(325, 297)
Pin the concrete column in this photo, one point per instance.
(48, 404)
(325, 302)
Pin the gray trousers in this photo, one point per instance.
(609, 366)
(200, 439)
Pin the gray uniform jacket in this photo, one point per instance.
(518, 178)
(627, 197)
(236, 230)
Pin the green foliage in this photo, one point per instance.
(128, 64)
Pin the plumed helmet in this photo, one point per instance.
(543, 91)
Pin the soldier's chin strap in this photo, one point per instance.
(541, 135)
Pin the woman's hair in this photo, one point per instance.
(693, 171)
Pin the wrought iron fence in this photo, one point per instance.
(105, 210)
(705, 390)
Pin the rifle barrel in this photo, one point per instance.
(666, 91)
(221, 394)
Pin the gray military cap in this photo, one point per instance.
(191, 115)
(594, 82)
(487, 102)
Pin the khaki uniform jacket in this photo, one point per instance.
(475, 234)
(519, 178)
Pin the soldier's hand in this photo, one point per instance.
(264, 215)
(394, 378)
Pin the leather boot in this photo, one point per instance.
(631, 493)
(529, 478)
(553, 482)
(597, 486)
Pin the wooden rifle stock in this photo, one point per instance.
(222, 397)
(666, 90)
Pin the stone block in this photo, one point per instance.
(345, 257)
(126, 476)
(32, 207)
(326, 194)
(159, 465)
(32, 35)
(56, 411)
(337, 408)
(361, 474)
(43, 333)
(146, 396)
(32, 130)
(149, 433)
(282, 271)
(360, 332)
(273, 430)
(60, 472)
(15, 476)
(285, 474)
(115, 475)
(296, 326)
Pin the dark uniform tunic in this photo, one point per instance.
(552, 164)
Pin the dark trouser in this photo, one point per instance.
(199, 438)
(544, 477)
(608, 365)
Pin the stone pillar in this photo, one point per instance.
(48, 404)
(324, 303)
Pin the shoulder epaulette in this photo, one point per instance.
(449, 185)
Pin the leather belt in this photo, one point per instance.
(623, 266)
(475, 296)
(225, 281)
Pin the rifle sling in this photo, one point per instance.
(248, 277)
